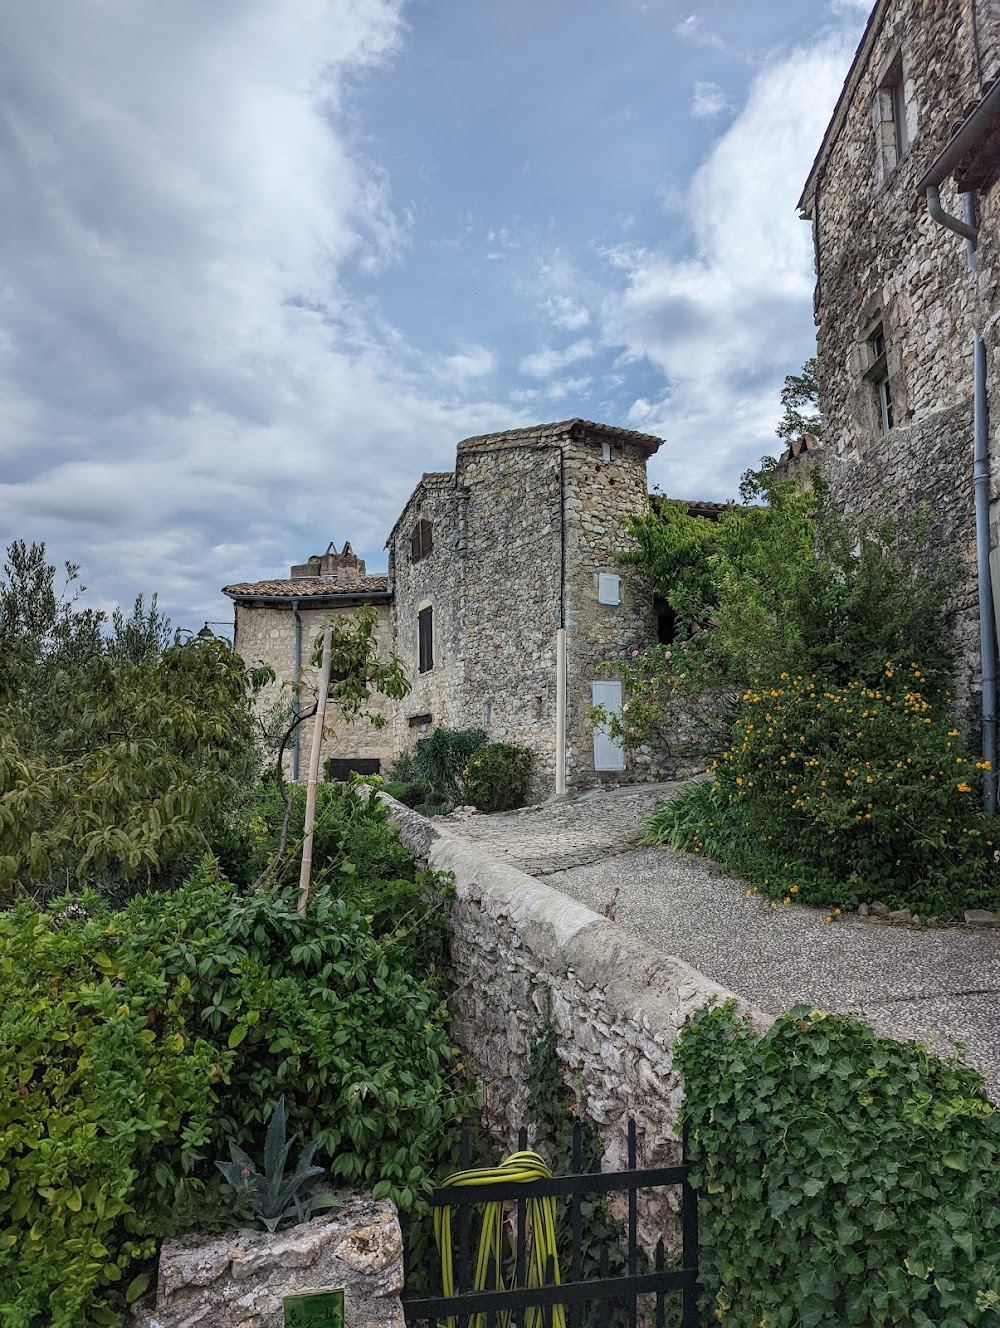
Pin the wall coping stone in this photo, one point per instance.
(639, 981)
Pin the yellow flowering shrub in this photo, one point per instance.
(841, 794)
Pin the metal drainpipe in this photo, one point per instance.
(561, 637)
(981, 483)
(987, 627)
(295, 691)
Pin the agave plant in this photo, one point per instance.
(269, 1196)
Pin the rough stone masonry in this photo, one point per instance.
(523, 953)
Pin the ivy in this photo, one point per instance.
(845, 1178)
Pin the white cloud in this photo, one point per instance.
(692, 28)
(725, 323)
(190, 392)
(472, 362)
(709, 100)
(564, 312)
(547, 362)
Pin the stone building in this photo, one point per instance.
(906, 173)
(278, 621)
(504, 596)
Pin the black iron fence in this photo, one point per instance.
(637, 1295)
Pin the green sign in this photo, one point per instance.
(315, 1309)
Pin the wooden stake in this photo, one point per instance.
(317, 745)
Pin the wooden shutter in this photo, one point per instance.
(425, 639)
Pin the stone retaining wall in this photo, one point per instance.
(521, 951)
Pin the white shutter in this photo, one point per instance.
(608, 588)
(608, 754)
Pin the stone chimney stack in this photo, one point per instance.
(343, 568)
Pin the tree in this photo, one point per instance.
(357, 675)
(117, 752)
(800, 402)
(790, 586)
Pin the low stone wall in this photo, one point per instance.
(240, 1280)
(520, 951)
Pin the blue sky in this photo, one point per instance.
(266, 263)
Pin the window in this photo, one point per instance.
(666, 622)
(425, 640)
(608, 588)
(878, 375)
(890, 114)
(421, 541)
(898, 112)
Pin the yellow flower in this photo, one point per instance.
(836, 912)
(964, 788)
(793, 890)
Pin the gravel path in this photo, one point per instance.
(941, 985)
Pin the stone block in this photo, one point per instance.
(240, 1280)
(982, 917)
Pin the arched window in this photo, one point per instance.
(421, 541)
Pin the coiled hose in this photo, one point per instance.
(540, 1238)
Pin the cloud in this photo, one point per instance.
(191, 389)
(472, 362)
(564, 312)
(724, 324)
(545, 363)
(692, 29)
(709, 100)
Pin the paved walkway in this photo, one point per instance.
(941, 985)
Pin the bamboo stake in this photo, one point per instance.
(317, 744)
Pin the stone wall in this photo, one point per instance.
(522, 532)
(240, 1280)
(883, 263)
(605, 485)
(511, 592)
(522, 952)
(433, 581)
(268, 633)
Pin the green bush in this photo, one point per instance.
(352, 837)
(835, 795)
(440, 759)
(100, 1074)
(844, 1178)
(496, 778)
(329, 1010)
(135, 1046)
(406, 792)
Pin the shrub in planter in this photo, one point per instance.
(339, 1011)
(496, 778)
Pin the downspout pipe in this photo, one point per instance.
(966, 227)
(987, 627)
(561, 637)
(943, 218)
(295, 691)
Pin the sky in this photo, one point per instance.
(267, 261)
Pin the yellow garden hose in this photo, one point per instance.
(540, 1237)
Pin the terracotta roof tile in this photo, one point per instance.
(308, 587)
